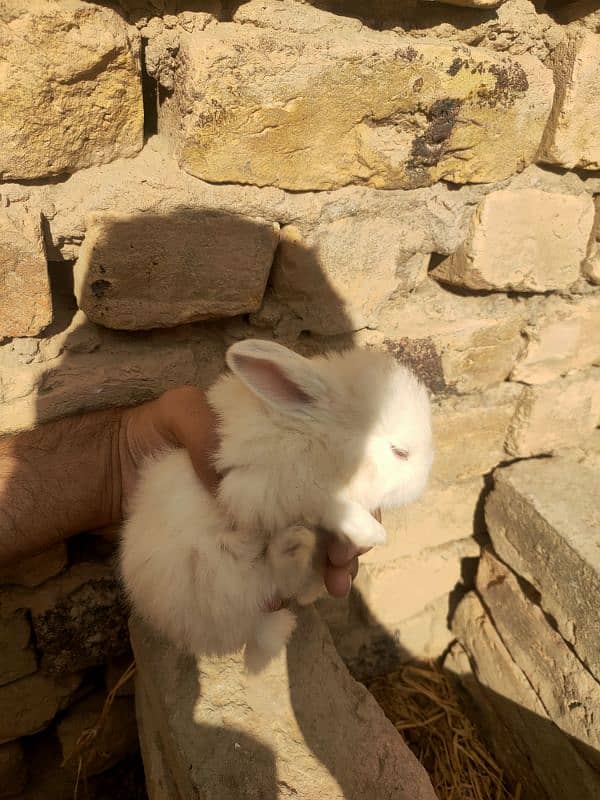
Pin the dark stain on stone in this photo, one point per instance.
(417, 85)
(510, 81)
(423, 358)
(100, 287)
(407, 53)
(428, 148)
(83, 628)
(457, 65)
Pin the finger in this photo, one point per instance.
(338, 581)
(341, 553)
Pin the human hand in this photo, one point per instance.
(181, 417)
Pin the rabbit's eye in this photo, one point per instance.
(399, 453)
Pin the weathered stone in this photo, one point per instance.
(13, 769)
(562, 413)
(591, 267)
(493, 728)
(543, 520)
(397, 590)
(456, 343)
(386, 108)
(369, 651)
(148, 271)
(79, 618)
(70, 89)
(569, 693)
(30, 704)
(36, 569)
(553, 760)
(18, 657)
(25, 303)
(470, 431)
(117, 737)
(114, 374)
(445, 513)
(432, 219)
(336, 278)
(527, 241)
(572, 138)
(565, 337)
(473, 3)
(293, 730)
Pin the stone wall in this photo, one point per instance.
(418, 177)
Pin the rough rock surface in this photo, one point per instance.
(543, 521)
(397, 590)
(30, 704)
(386, 108)
(79, 618)
(36, 569)
(147, 271)
(293, 730)
(562, 413)
(337, 277)
(572, 138)
(522, 240)
(563, 338)
(25, 303)
(70, 88)
(480, 424)
(18, 657)
(551, 757)
(569, 693)
(117, 739)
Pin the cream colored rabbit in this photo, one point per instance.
(306, 444)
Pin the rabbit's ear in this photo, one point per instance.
(283, 379)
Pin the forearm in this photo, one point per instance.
(58, 479)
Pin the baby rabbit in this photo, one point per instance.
(324, 441)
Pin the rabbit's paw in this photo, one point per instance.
(270, 637)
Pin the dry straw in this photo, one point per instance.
(423, 704)
(89, 743)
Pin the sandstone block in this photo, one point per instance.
(13, 769)
(294, 729)
(565, 337)
(562, 413)
(337, 277)
(79, 618)
(371, 651)
(569, 693)
(25, 302)
(525, 240)
(473, 3)
(462, 344)
(397, 590)
(117, 739)
(591, 267)
(543, 521)
(572, 138)
(553, 761)
(36, 569)
(116, 373)
(18, 657)
(30, 704)
(70, 88)
(148, 271)
(387, 108)
(469, 432)
(446, 513)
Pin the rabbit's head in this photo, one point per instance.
(296, 429)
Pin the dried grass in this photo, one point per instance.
(423, 704)
(89, 743)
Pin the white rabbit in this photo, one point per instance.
(320, 441)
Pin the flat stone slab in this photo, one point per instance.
(302, 729)
(543, 517)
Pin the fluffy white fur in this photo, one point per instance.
(306, 444)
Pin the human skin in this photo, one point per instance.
(79, 473)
